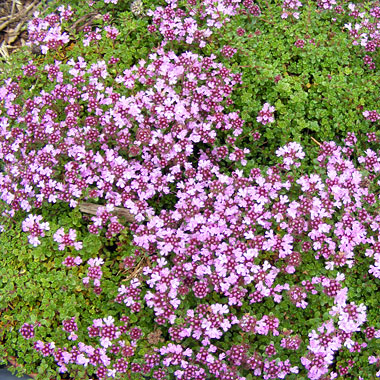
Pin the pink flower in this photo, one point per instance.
(228, 51)
(36, 229)
(266, 114)
(67, 240)
(371, 115)
(71, 261)
(291, 152)
(300, 44)
(112, 32)
(72, 336)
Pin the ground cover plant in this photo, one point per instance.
(230, 154)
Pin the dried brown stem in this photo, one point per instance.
(13, 7)
(13, 35)
(86, 20)
(318, 143)
(92, 208)
(137, 271)
(12, 18)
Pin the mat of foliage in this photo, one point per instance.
(242, 137)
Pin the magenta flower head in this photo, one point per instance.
(68, 239)
(228, 51)
(112, 32)
(371, 115)
(27, 331)
(300, 44)
(72, 261)
(69, 325)
(29, 69)
(266, 114)
(291, 153)
(36, 229)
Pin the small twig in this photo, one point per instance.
(267, 21)
(19, 5)
(4, 51)
(19, 15)
(318, 143)
(13, 8)
(13, 35)
(92, 208)
(136, 271)
(87, 19)
(7, 22)
(4, 18)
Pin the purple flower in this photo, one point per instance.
(371, 115)
(67, 240)
(291, 152)
(33, 225)
(266, 114)
(300, 44)
(27, 330)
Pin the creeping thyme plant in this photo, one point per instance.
(241, 139)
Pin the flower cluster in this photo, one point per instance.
(365, 33)
(297, 296)
(94, 272)
(229, 242)
(104, 215)
(112, 32)
(137, 7)
(72, 261)
(326, 4)
(27, 331)
(196, 23)
(47, 32)
(30, 69)
(250, 7)
(369, 62)
(33, 225)
(93, 35)
(300, 44)
(70, 326)
(228, 51)
(204, 323)
(130, 295)
(266, 114)
(288, 8)
(371, 115)
(67, 239)
(292, 153)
